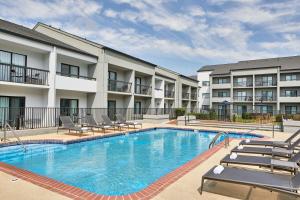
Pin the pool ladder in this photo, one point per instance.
(8, 127)
(219, 134)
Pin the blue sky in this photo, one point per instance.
(181, 35)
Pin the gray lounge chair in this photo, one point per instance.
(121, 120)
(67, 123)
(271, 143)
(108, 122)
(290, 165)
(274, 182)
(282, 152)
(91, 122)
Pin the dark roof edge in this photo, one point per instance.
(189, 78)
(127, 55)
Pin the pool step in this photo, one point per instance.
(31, 151)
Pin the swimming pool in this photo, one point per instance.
(115, 165)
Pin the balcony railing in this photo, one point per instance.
(243, 84)
(266, 83)
(169, 94)
(185, 95)
(265, 98)
(142, 89)
(76, 76)
(243, 98)
(26, 75)
(194, 96)
(119, 86)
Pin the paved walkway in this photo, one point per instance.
(187, 187)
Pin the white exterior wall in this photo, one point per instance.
(203, 76)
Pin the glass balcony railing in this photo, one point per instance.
(142, 89)
(194, 96)
(169, 94)
(243, 84)
(185, 95)
(265, 98)
(243, 98)
(119, 86)
(266, 83)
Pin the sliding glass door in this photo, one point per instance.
(69, 107)
(12, 109)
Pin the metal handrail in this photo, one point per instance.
(6, 125)
(219, 134)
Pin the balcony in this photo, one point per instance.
(119, 86)
(158, 93)
(75, 83)
(265, 98)
(265, 83)
(143, 89)
(194, 96)
(289, 98)
(185, 95)
(243, 84)
(76, 76)
(243, 98)
(169, 94)
(26, 75)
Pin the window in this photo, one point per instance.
(69, 70)
(205, 95)
(240, 109)
(290, 110)
(12, 67)
(11, 108)
(205, 107)
(290, 93)
(205, 83)
(223, 80)
(264, 109)
(223, 94)
(112, 75)
(137, 107)
(220, 80)
(69, 107)
(12, 58)
(290, 77)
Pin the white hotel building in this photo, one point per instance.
(264, 86)
(47, 67)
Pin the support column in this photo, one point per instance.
(253, 93)
(51, 78)
(152, 104)
(278, 92)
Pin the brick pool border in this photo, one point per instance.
(76, 193)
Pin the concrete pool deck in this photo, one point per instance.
(186, 187)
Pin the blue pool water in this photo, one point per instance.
(116, 165)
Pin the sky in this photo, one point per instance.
(181, 35)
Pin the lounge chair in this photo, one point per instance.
(91, 122)
(121, 120)
(282, 152)
(67, 123)
(290, 165)
(271, 143)
(274, 182)
(108, 122)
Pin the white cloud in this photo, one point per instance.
(31, 9)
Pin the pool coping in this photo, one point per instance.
(77, 193)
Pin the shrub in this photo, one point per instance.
(278, 118)
(179, 112)
(247, 116)
(296, 117)
(203, 116)
(234, 118)
(212, 115)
